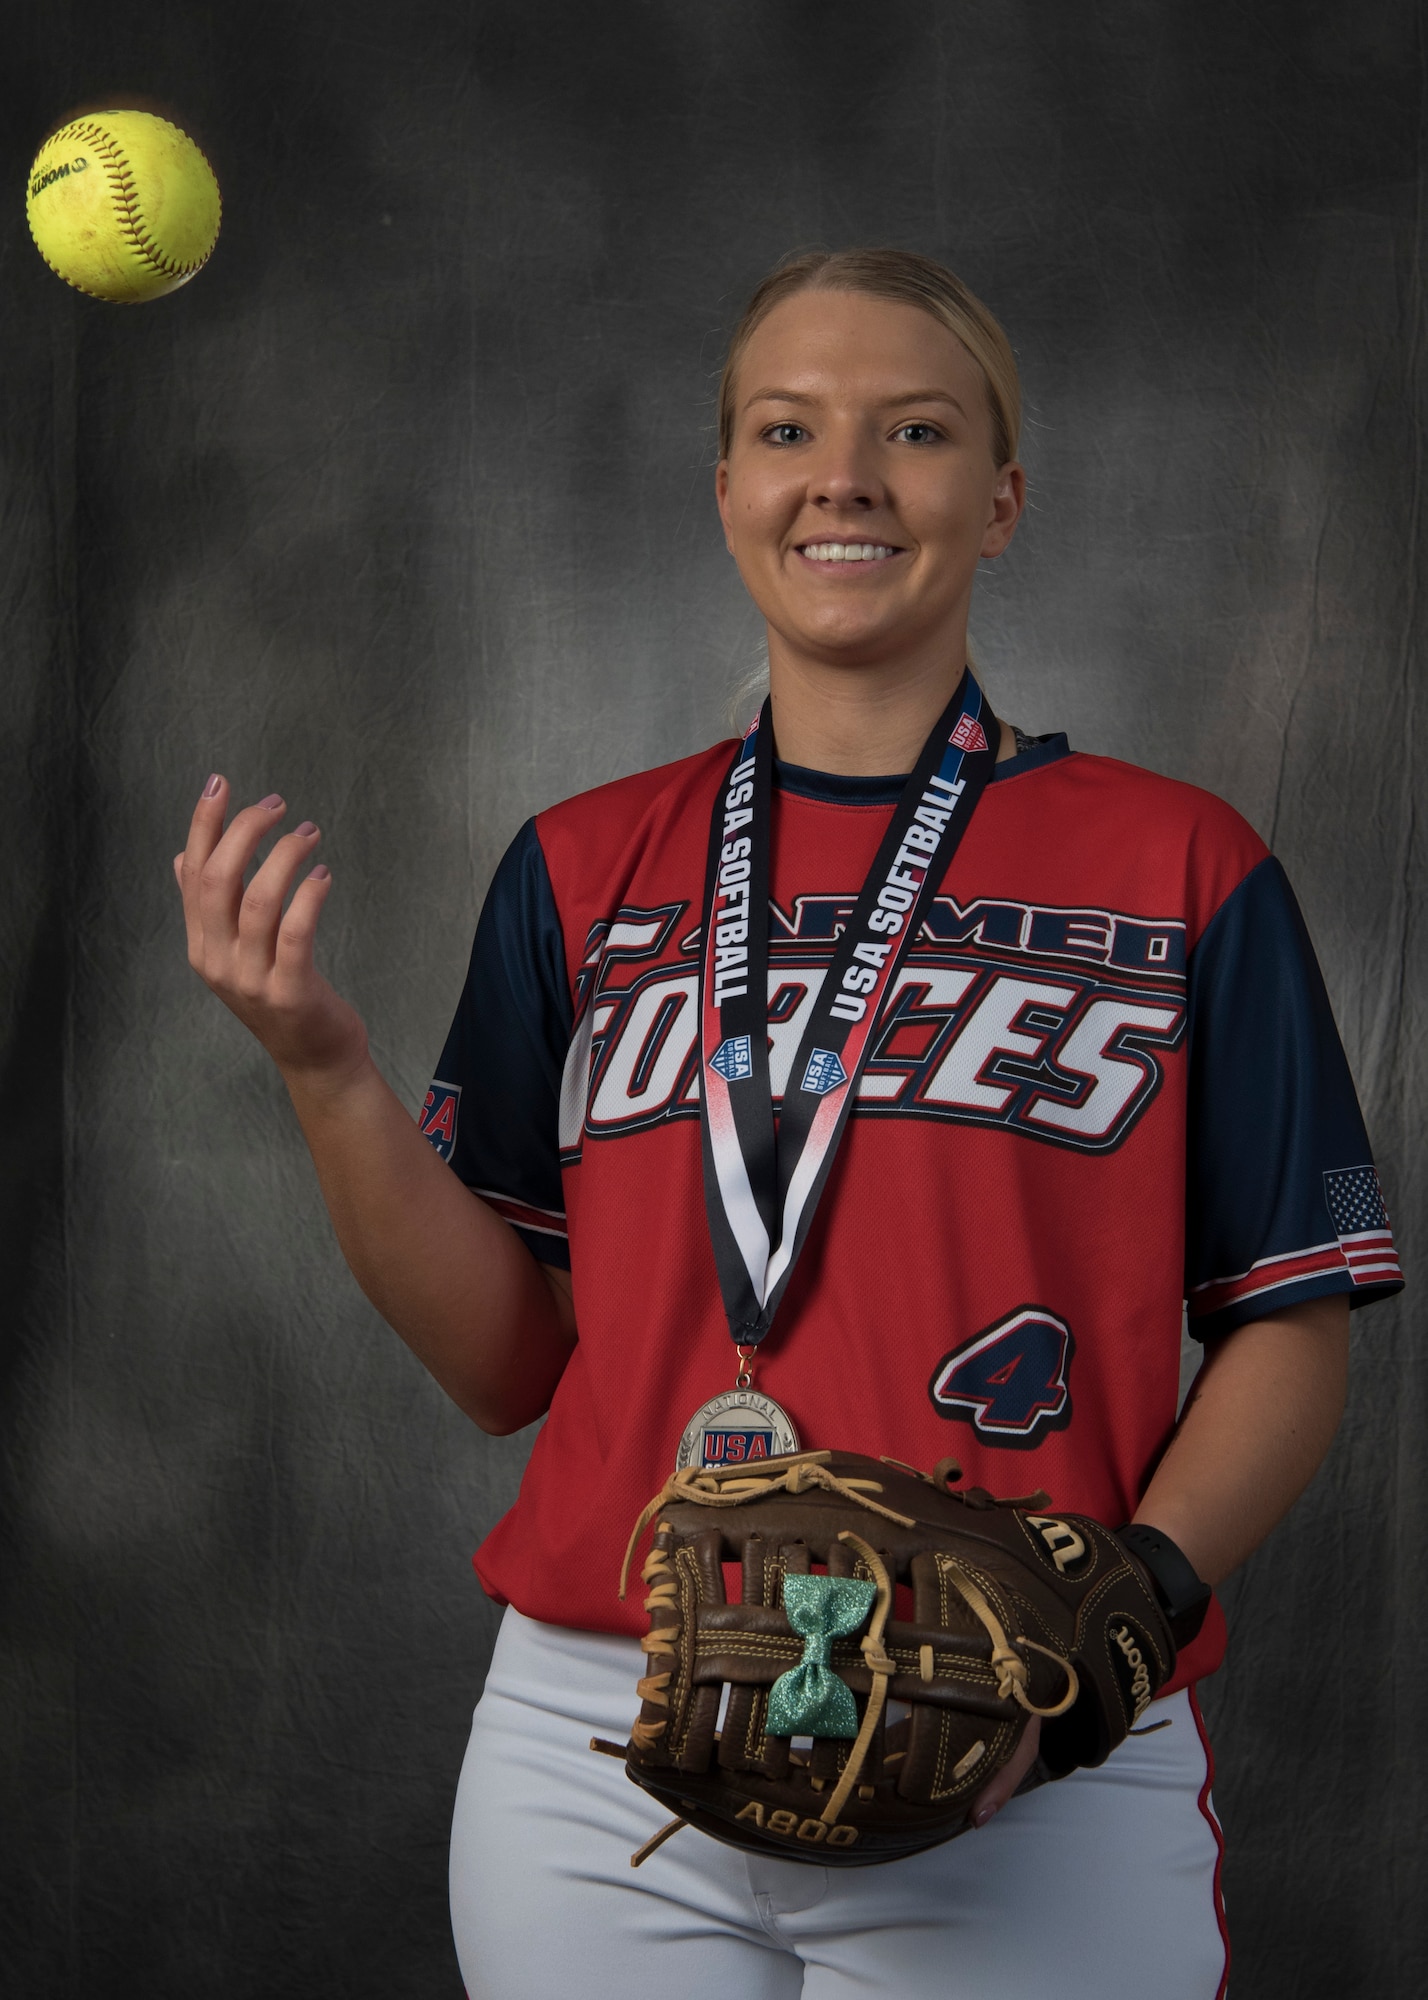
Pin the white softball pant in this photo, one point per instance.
(1105, 1882)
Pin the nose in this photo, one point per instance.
(845, 475)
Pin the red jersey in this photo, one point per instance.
(1105, 1086)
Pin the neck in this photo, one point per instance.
(859, 721)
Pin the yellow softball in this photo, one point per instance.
(123, 205)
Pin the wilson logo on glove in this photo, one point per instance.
(1065, 1547)
(1136, 1680)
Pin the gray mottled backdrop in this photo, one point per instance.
(403, 508)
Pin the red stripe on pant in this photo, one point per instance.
(1214, 1825)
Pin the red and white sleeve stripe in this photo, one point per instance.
(1368, 1257)
(525, 1215)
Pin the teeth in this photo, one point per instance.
(848, 551)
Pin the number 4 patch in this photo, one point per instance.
(1011, 1381)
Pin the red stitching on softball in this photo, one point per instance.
(131, 220)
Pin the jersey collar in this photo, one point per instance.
(835, 788)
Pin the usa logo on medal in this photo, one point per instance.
(738, 1428)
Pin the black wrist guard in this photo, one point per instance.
(1183, 1597)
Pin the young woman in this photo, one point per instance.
(1101, 1081)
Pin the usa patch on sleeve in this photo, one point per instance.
(437, 1120)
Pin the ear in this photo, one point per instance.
(1008, 500)
(721, 495)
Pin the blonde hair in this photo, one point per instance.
(910, 279)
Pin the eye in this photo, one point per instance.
(785, 434)
(918, 432)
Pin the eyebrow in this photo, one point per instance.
(888, 403)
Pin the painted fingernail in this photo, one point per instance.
(320, 873)
(306, 827)
(273, 800)
(211, 789)
(981, 1818)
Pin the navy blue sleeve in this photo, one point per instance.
(1283, 1202)
(493, 1110)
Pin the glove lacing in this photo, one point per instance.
(734, 1487)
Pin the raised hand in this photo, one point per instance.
(255, 955)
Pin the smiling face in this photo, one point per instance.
(860, 489)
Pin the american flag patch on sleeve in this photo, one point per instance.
(1355, 1203)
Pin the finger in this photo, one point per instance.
(206, 822)
(220, 879)
(205, 827)
(993, 1797)
(261, 910)
(297, 932)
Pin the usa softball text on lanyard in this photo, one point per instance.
(762, 1182)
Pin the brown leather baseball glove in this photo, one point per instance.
(891, 1640)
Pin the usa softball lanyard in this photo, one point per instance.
(762, 1182)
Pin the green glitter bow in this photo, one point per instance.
(810, 1700)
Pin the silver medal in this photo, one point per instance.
(740, 1427)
